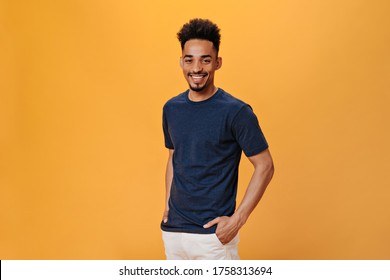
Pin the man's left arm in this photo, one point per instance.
(228, 227)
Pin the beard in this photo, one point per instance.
(197, 89)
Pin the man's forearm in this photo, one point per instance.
(256, 188)
(261, 177)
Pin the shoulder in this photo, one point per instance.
(175, 101)
(232, 103)
(231, 100)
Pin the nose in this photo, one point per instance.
(197, 67)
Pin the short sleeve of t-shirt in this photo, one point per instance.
(247, 132)
(167, 137)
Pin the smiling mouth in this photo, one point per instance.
(197, 77)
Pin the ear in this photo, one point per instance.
(181, 62)
(219, 63)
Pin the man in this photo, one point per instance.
(206, 129)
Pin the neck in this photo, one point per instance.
(197, 96)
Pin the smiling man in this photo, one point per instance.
(205, 130)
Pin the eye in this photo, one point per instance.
(187, 60)
(206, 61)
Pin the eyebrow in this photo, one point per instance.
(202, 56)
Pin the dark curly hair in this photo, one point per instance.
(198, 28)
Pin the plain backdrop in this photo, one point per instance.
(82, 158)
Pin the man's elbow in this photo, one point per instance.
(267, 167)
(263, 164)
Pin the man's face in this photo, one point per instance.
(199, 61)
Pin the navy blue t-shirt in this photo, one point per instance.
(208, 138)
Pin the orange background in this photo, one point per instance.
(82, 159)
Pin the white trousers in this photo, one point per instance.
(192, 246)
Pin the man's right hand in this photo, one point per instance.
(165, 216)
